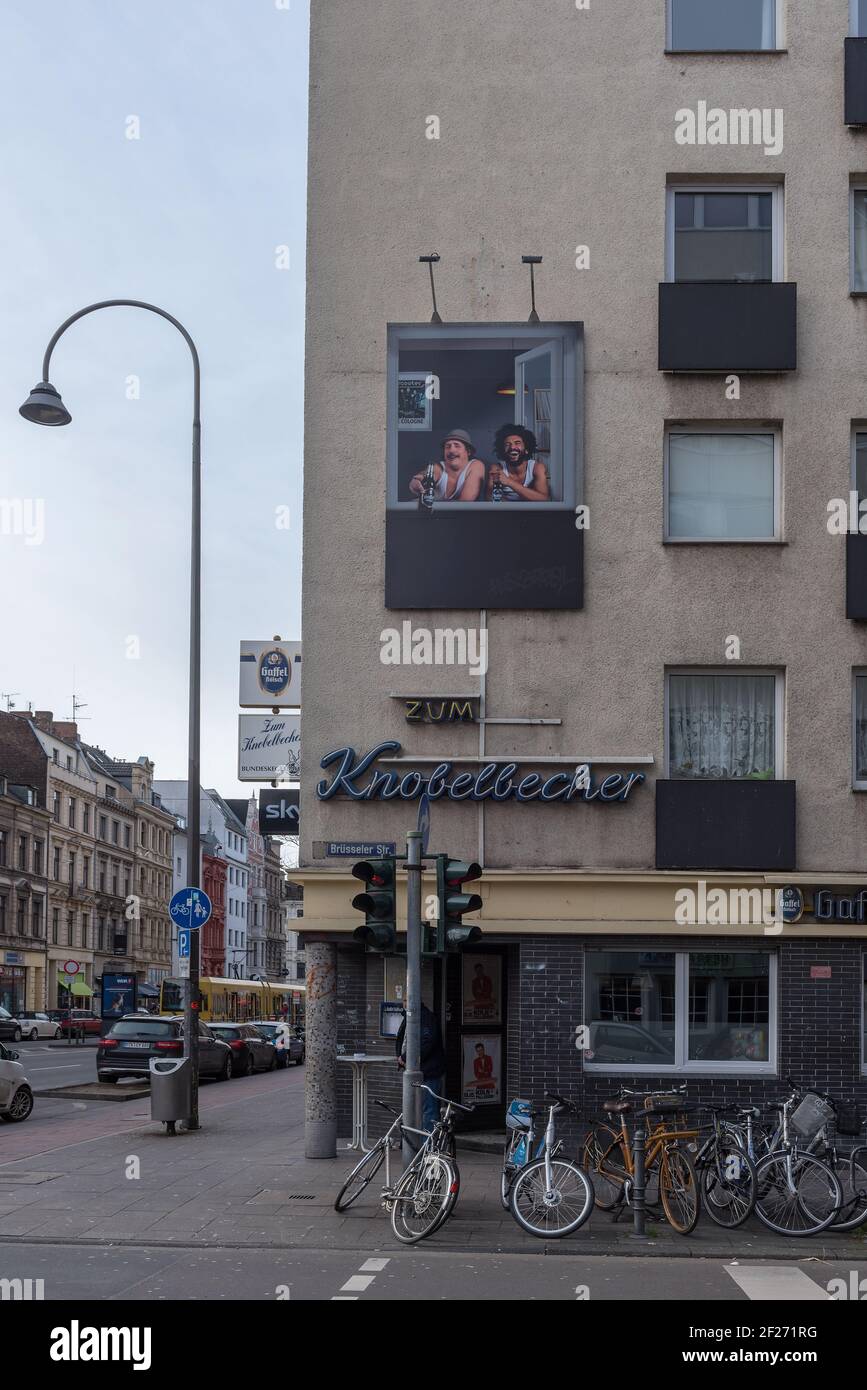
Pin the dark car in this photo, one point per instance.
(9, 1026)
(290, 1047)
(133, 1040)
(252, 1051)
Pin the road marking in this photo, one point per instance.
(373, 1266)
(357, 1283)
(777, 1283)
(350, 1298)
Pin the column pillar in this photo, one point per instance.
(320, 1079)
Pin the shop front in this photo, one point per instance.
(13, 982)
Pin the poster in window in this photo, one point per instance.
(484, 466)
(481, 1080)
(482, 989)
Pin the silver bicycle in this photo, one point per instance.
(424, 1196)
(551, 1196)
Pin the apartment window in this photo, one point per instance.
(85, 872)
(100, 930)
(84, 921)
(126, 837)
(55, 873)
(70, 812)
(859, 730)
(731, 233)
(86, 820)
(55, 806)
(103, 865)
(55, 931)
(179, 866)
(144, 835)
(114, 879)
(20, 919)
(110, 792)
(722, 485)
(722, 26)
(2, 916)
(36, 917)
(153, 838)
(724, 724)
(70, 928)
(69, 762)
(103, 828)
(126, 885)
(22, 852)
(55, 756)
(37, 857)
(115, 832)
(71, 871)
(2, 849)
(680, 1010)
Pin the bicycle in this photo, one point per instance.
(608, 1155)
(548, 1196)
(727, 1176)
(798, 1193)
(368, 1166)
(424, 1196)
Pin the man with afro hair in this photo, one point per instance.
(518, 476)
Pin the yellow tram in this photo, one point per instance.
(237, 1000)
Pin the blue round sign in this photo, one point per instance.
(190, 907)
(275, 671)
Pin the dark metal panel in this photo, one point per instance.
(726, 326)
(737, 824)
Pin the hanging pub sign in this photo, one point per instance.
(357, 778)
(270, 675)
(269, 747)
(279, 811)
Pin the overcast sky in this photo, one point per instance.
(191, 215)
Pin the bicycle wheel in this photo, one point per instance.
(853, 1180)
(451, 1201)
(603, 1158)
(678, 1189)
(361, 1175)
(507, 1176)
(797, 1194)
(420, 1197)
(728, 1187)
(556, 1211)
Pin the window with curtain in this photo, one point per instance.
(721, 486)
(860, 730)
(724, 235)
(722, 726)
(859, 240)
(709, 26)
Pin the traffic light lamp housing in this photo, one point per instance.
(379, 932)
(452, 933)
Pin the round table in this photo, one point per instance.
(360, 1061)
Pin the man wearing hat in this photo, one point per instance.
(460, 476)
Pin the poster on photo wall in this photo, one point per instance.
(481, 996)
(481, 1079)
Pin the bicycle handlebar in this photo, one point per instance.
(383, 1106)
(420, 1086)
(561, 1100)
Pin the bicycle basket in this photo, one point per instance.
(518, 1114)
(666, 1105)
(848, 1120)
(809, 1117)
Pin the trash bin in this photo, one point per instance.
(170, 1089)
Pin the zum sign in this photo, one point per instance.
(440, 711)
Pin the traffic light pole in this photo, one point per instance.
(412, 1076)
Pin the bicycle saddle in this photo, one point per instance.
(617, 1107)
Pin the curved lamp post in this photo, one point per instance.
(44, 406)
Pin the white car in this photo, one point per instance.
(16, 1097)
(35, 1025)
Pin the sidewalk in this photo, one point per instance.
(243, 1181)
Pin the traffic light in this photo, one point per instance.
(377, 903)
(452, 874)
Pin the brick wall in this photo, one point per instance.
(22, 759)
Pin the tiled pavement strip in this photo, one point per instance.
(243, 1181)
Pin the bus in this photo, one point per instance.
(236, 1001)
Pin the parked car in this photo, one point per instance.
(35, 1025)
(16, 1097)
(252, 1051)
(290, 1048)
(628, 1042)
(80, 1020)
(127, 1048)
(9, 1026)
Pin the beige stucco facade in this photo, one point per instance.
(557, 130)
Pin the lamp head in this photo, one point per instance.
(44, 406)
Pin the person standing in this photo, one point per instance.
(433, 1062)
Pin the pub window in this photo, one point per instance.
(722, 484)
(724, 724)
(725, 233)
(667, 1011)
(724, 26)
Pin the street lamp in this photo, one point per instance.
(44, 406)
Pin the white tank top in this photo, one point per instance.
(509, 493)
(442, 483)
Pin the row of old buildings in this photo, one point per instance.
(91, 850)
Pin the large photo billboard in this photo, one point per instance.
(484, 466)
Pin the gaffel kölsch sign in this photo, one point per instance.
(359, 779)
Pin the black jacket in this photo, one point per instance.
(433, 1056)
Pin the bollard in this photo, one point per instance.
(639, 1183)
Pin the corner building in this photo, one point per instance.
(696, 381)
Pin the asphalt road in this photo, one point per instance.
(48, 1066)
(130, 1272)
